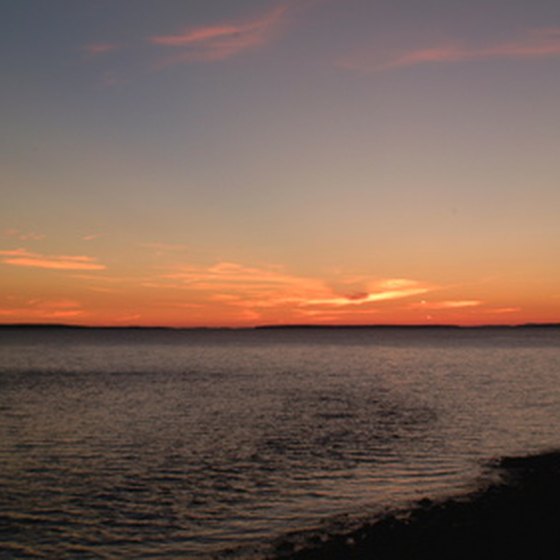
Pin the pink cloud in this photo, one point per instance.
(540, 43)
(222, 41)
(95, 49)
(22, 257)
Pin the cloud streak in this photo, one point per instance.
(221, 41)
(22, 257)
(449, 304)
(540, 43)
(43, 309)
(24, 235)
(161, 249)
(95, 49)
(232, 284)
(382, 291)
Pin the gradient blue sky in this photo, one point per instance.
(212, 162)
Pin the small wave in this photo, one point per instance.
(513, 516)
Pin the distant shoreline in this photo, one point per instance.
(517, 517)
(46, 326)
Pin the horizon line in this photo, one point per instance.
(284, 326)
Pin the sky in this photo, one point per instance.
(236, 163)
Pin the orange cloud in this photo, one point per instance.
(43, 310)
(541, 43)
(222, 41)
(450, 304)
(401, 289)
(232, 284)
(22, 257)
(242, 285)
(500, 310)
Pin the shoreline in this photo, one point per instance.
(517, 517)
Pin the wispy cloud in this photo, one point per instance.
(448, 304)
(502, 310)
(94, 49)
(92, 236)
(235, 275)
(160, 249)
(232, 284)
(382, 291)
(23, 257)
(23, 235)
(540, 43)
(42, 309)
(222, 41)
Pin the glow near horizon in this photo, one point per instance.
(281, 162)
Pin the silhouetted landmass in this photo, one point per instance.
(411, 327)
(275, 327)
(518, 517)
(47, 326)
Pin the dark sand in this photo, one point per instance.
(519, 517)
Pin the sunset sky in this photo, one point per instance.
(246, 162)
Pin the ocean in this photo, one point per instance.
(180, 444)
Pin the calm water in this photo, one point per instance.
(177, 444)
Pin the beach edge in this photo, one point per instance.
(515, 516)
